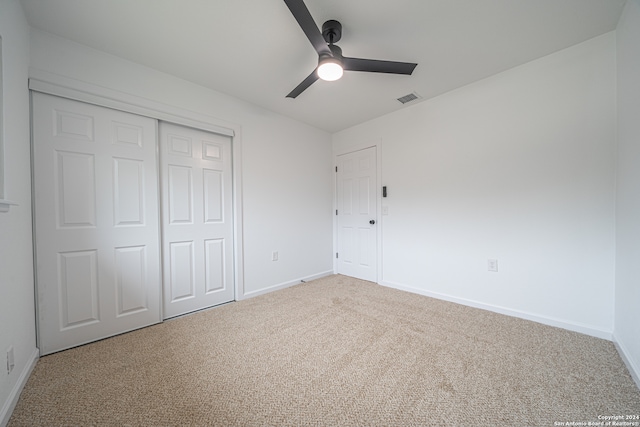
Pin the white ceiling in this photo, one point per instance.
(255, 50)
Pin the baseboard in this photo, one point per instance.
(559, 323)
(285, 285)
(634, 370)
(12, 400)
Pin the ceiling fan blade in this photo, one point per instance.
(377, 66)
(304, 85)
(308, 25)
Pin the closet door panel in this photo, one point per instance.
(197, 228)
(96, 222)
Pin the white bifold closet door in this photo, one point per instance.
(96, 222)
(197, 219)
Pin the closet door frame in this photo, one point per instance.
(52, 84)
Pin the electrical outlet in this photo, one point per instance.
(492, 265)
(10, 360)
(274, 256)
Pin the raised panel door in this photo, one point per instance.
(357, 219)
(197, 227)
(96, 222)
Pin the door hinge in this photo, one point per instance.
(336, 254)
(336, 211)
(336, 169)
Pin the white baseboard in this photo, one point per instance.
(634, 369)
(12, 400)
(571, 326)
(286, 284)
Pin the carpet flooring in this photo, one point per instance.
(333, 352)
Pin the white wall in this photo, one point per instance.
(518, 167)
(286, 165)
(17, 319)
(627, 319)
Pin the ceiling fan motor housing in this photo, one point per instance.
(336, 51)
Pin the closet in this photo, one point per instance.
(133, 220)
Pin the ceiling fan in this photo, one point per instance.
(331, 63)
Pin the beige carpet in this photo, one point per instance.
(333, 352)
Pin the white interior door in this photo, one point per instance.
(356, 216)
(96, 222)
(197, 219)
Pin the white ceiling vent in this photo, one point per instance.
(408, 98)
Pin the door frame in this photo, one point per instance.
(352, 148)
(53, 84)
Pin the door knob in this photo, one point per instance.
(373, 221)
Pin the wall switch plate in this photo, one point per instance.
(274, 256)
(10, 360)
(492, 265)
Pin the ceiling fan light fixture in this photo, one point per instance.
(330, 69)
(331, 62)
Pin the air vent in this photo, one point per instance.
(408, 98)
